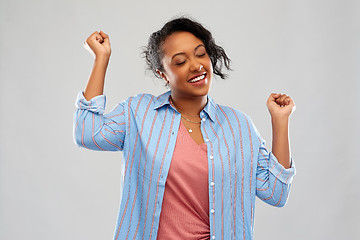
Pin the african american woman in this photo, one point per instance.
(191, 167)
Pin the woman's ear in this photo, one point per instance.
(162, 75)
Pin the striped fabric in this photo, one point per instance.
(145, 128)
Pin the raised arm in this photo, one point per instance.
(275, 169)
(93, 129)
(98, 44)
(280, 107)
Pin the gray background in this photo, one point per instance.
(309, 49)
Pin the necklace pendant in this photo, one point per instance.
(190, 130)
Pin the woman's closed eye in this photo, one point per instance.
(180, 63)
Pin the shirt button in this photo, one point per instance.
(212, 183)
(206, 140)
(204, 119)
(213, 237)
(211, 157)
(212, 210)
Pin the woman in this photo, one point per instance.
(192, 168)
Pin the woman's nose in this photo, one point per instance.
(196, 66)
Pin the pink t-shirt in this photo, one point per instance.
(185, 207)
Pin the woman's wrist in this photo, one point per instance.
(280, 121)
(102, 59)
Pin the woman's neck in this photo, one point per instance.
(189, 106)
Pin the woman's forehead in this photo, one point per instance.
(180, 42)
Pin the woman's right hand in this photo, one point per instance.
(98, 44)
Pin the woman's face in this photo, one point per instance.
(187, 66)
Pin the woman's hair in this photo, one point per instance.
(153, 51)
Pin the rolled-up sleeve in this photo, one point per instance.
(98, 131)
(273, 181)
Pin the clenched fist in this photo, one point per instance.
(98, 44)
(280, 105)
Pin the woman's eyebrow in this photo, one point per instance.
(182, 53)
(199, 46)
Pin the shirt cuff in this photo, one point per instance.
(281, 173)
(96, 104)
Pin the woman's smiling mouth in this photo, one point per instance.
(197, 78)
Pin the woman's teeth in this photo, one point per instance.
(197, 79)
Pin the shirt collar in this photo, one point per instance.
(164, 99)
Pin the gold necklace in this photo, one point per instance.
(190, 120)
(190, 130)
(172, 104)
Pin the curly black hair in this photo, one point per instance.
(153, 51)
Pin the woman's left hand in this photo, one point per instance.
(280, 105)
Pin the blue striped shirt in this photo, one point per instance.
(145, 128)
